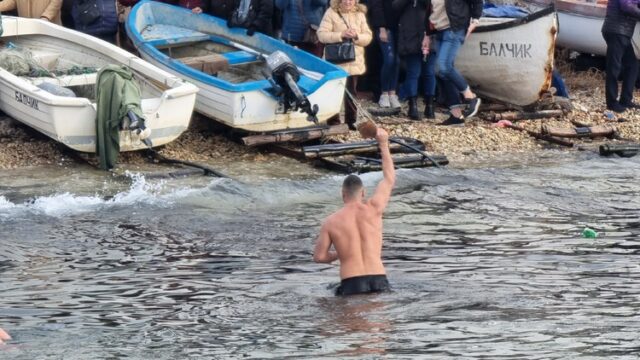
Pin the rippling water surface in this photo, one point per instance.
(485, 263)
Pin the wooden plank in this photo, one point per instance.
(540, 136)
(358, 164)
(295, 135)
(209, 64)
(520, 115)
(352, 148)
(580, 132)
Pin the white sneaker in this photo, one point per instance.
(384, 101)
(394, 101)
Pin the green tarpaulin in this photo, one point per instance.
(116, 94)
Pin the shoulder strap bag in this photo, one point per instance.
(342, 52)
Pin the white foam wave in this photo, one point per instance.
(6, 204)
(141, 192)
(220, 194)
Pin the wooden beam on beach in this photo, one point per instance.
(540, 136)
(578, 123)
(520, 115)
(622, 150)
(496, 107)
(355, 148)
(580, 132)
(295, 135)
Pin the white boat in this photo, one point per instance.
(580, 25)
(511, 59)
(167, 101)
(229, 69)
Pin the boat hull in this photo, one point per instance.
(249, 106)
(167, 107)
(502, 61)
(580, 26)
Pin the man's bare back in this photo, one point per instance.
(355, 231)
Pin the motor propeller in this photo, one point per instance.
(137, 126)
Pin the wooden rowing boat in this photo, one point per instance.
(511, 59)
(229, 67)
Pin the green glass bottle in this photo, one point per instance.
(589, 233)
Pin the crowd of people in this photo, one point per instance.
(420, 36)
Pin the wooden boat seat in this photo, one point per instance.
(213, 63)
(161, 35)
(210, 64)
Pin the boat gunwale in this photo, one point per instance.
(172, 86)
(581, 8)
(171, 63)
(517, 21)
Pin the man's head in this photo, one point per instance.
(352, 188)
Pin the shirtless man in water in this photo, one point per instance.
(356, 231)
(4, 336)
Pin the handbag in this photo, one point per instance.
(88, 11)
(310, 35)
(341, 52)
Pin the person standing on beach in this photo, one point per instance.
(48, 10)
(384, 21)
(345, 20)
(355, 231)
(418, 63)
(451, 22)
(300, 21)
(617, 30)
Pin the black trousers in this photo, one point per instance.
(621, 63)
(350, 109)
(363, 285)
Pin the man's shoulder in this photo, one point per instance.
(335, 216)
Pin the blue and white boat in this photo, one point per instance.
(255, 83)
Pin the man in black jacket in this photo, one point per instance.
(617, 30)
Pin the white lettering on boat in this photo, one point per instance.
(505, 50)
(27, 100)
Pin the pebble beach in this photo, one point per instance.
(21, 146)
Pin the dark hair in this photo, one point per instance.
(351, 185)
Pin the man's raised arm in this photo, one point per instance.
(383, 191)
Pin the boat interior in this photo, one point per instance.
(52, 64)
(207, 53)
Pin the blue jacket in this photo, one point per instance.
(105, 25)
(297, 15)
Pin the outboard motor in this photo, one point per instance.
(284, 76)
(138, 127)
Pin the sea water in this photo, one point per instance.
(484, 263)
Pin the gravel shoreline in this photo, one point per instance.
(21, 146)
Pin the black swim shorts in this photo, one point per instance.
(363, 284)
